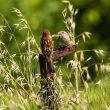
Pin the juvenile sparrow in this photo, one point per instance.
(47, 49)
(64, 39)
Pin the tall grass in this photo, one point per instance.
(20, 77)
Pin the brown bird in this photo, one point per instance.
(64, 39)
(47, 49)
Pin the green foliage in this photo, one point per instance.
(82, 84)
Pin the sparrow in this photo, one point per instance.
(47, 49)
(64, 39)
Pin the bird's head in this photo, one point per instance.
(62, 33)
(46, 32)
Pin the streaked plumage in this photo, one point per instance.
(64, 39)
(47, 49)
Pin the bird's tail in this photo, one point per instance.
(50, 66)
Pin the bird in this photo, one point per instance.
(64, 39)
(47, 49)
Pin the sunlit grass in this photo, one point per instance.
(20, 76)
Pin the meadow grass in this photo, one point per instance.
(20, 76)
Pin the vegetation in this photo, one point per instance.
(83, 84)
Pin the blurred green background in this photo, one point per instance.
(93, 16)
